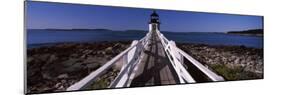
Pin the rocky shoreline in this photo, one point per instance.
(231, 62)
(56, 67)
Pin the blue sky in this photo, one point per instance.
(41, 15)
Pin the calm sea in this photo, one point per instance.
(36, 37)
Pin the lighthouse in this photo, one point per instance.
(154, 23)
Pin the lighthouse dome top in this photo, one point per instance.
(154, 18)
(154, 14)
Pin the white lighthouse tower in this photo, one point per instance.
(154, 23)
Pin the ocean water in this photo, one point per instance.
(37, 37)
(217, 39)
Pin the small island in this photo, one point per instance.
(74, 29)
(251, 32)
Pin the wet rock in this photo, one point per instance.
(43, 57)
(109, 49)
(58, 85)
(237, 61)
(63, 76)
(249, 59)
(52, 58)
(29, 59)
(54, 68)
(103, 52)
(46, 76)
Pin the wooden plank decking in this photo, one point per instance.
(155, 67)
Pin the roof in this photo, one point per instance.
(154, 14)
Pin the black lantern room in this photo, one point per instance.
(154, 18)
(154, 21)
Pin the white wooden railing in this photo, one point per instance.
(176, 56)
(128, 59)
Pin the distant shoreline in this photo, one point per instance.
(38, 45)
(40, 38)
(242, 34)
(31, 46)
(78, 29)
(252, 32)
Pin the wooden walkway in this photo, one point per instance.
(155, 67)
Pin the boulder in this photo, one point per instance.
(108, 50)
(236, 61)
(62, 76)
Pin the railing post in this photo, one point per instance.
(181, 58)
(124, 60)
(130, 60)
